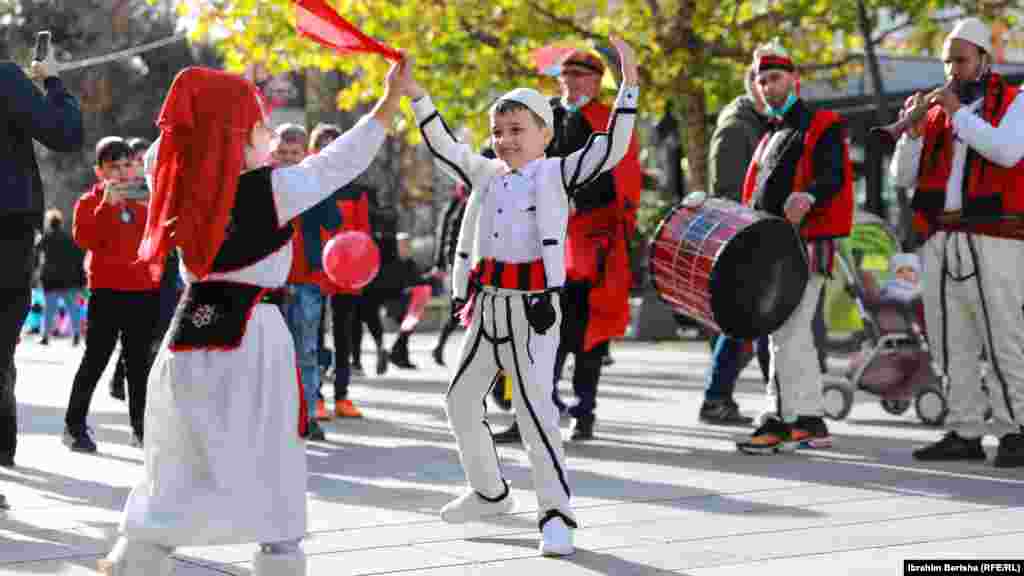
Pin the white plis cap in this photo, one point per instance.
(974, 31)
(531, 99)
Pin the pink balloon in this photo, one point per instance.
(351, 260)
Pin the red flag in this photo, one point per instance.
(318, 21)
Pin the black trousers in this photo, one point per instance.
(587, 371)
(17, 253)
(344, 309)
(367, 312)
(112, 312)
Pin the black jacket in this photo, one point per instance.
(26, 115)
(61, 261)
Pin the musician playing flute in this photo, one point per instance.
(801, 171)
(964, 160)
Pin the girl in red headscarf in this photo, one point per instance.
(223, 461)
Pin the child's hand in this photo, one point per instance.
(411, 88)
(630, 76)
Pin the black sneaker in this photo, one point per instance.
(438, 355)
(583, 430)
(952, 447)
(723, 413)
(136, 440)
(811, 432)
(79, 440)
(382, 361)
(1011, 451)
(314, 432)
(3, 503)
(509, 435)
(357, 370)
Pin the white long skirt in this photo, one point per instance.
(224, 462)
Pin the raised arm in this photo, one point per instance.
(300, 187)
(604, 149)
(457, 159)
(54, 120)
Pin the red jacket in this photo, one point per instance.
(833, 218)
(991, 189)
(111, 234)
(598, 242)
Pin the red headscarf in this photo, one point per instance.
(205, 125)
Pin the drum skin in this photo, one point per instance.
(732, 268)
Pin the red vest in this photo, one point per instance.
(990, 189)
(834, 218)
(598, 242)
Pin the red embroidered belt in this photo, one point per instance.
(524, 276)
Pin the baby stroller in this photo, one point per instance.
(894, 362)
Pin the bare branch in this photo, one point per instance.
(562, 21)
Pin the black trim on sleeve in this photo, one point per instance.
(426, 140)
(549, 242)
(463, 255)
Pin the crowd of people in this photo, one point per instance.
(532, 248)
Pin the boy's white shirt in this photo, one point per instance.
(512, 200)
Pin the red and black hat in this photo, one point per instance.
(583, 61)
(770, 61)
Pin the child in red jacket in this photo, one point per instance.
(109, 222)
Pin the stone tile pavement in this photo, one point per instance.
(656, 492)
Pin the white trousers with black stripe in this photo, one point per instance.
(973, 292)
(500, 337)
(796, 387)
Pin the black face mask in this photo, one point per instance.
(972, 90)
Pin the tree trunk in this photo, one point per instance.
(696, 135)
(872, 152)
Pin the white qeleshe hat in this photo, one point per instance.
(533, 100)
(974, 31)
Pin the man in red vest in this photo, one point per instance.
(801, 171)
(601, 223)
(964, 158)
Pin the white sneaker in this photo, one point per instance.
(285, 564)
(470, 506)
(556, 538)
(130, 558)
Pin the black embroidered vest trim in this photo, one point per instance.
(253, 231)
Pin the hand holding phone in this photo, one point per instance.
(44, 64)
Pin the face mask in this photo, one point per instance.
(781, 111)
(580, 103)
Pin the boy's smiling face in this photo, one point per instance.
(518, 137)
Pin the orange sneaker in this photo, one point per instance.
(345, 409)
(321, 411)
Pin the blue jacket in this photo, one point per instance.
(26, 114)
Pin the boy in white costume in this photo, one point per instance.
(224, 462)
(509, 267)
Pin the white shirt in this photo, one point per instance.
(1002, 145)
(519, 216)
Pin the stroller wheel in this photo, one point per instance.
(930, 405)
(895, 406)
(837, 400)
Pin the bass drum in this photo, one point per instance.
(732, 268)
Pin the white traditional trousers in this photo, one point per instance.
(500, 337)
(795, 373)
(973, 296)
